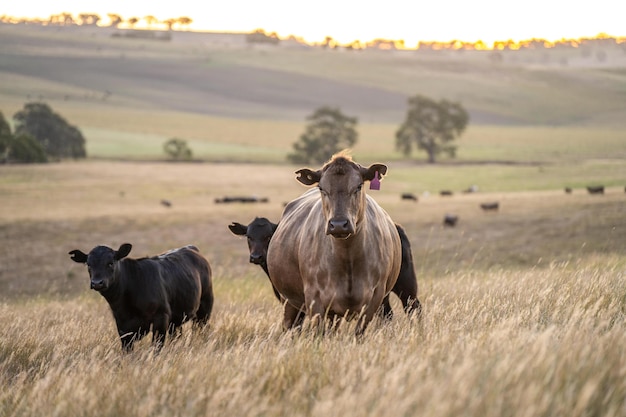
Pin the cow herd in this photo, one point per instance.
(334, 254)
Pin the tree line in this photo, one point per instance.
(430, 125)
(115, 20)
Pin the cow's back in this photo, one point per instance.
(187, 277)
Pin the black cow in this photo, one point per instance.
(490, 206)
(450, 220)
(259, 234)
(409, 196)
(161, 292)
(595, 189)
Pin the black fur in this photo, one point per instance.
(158, 293)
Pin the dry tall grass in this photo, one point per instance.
(545, 342)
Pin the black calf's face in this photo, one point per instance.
(101, 264)
(259, 234)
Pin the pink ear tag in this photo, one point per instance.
(375, 183)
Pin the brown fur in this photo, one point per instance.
(335, 252)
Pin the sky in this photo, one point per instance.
(350, 20)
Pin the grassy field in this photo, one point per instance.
(524, 308)
(537, 342)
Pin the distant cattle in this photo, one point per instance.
(241, 200)
(259, 234)
(166, 203)
(335, 252)
(490, 206)
(160, 292)
(471, 189)
(445, 193)
(450, 220)
(598, 189)
(568, 190)
(409, 196)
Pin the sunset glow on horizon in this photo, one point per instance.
(347, 21)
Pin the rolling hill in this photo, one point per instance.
(219, 75)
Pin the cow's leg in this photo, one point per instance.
(130, 331)
(127, 339)
(364, 320)
(204, 311)
(160, 326)
(413, 307)
(385, 309)
(317, 314)
(293, 317)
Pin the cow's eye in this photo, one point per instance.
(322, 191)
(110, 265)
(358, 189)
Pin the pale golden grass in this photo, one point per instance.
(541, 342)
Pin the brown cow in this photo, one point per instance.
(336, 252)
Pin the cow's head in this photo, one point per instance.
(101, 264)
(259, 234)
(343, 198)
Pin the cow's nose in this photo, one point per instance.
(97, 284)
(339, 227)
(255, 258)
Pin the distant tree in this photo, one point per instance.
(431, 126)
(20, 148)
(132, 21)
(5, 138)
(88, 19)
(67, 19)
(185, 21)
(58, 138)
(327, 132)
(177, 149)
(259, 36)
(169, 23)
(150, 20)
(26, 149)
(115, 20)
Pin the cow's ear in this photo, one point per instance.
(308, 177)
(369, 173)
(78, 256)
(123, 251)
(238, 229)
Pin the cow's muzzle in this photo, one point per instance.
(98, 285)
(340, 228)
(256, 259)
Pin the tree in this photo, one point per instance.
(150, 20)
(431, 126)
(25, 148)
(170, 23)
(20, 148)
(115, 19)
(177, 149)
(328, 132)
(5, 138)
(259, 36)
(58, 138)
(184, 21)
